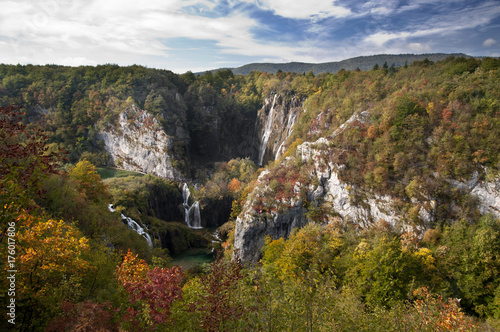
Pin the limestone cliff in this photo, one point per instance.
(140, 144)
(320, 195)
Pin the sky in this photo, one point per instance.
(199, 35)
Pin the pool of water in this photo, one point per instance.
(192, 258)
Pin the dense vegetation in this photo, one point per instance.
(362, 63)
(80, 267)
(73, 104)
(425, 127)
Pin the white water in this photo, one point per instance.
(193, 210)
(132, 224)
(185, 196)
(196, 222)
(292, 117)
(217, 239)
(267, 132)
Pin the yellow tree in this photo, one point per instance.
(51, 265)
(90, 182)
(300, 275)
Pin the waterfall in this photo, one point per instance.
(132, 224)
(216, 240)
(194, 210)
(267, 132)
(292, 117)
(185, 196)
(196, 223)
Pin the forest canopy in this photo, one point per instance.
(80, 267)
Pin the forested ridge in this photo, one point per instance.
(362, 62)
(80, 267)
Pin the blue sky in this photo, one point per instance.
(198, 35)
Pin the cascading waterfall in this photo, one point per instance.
(192, 215)
(132, 224)
(267, 132)
(216, 240)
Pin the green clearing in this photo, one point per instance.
(108, 173)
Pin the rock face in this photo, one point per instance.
(140, 144)
(252, 226)
(275, 123)
(325, 190)
(488, 195)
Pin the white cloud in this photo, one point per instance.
(130, 31)
(77, 61)
(489, 42)
(419, 47)
(380, 38)
(305, 9)
(469, 18)
(123, 32)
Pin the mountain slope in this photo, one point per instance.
(362, 62)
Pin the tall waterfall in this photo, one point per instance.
(292, 118)
(185, 196)
(192, 215)
(267, 132)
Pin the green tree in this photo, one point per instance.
(384, 273)
(468, 256)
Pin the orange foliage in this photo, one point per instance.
(234, 185)
(372, 132)
(446, 114)
(441, 315)
(132, 269)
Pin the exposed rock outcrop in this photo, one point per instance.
(488, 195)
(263, 214)
(140, 144)
(252, 226)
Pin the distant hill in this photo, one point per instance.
(361, 62)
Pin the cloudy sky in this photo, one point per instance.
(198, 35)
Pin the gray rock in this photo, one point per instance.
(140, 144)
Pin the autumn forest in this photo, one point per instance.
(425, 134)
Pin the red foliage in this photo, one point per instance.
(158, 290)
(25, 151)
(446, 114)
(219, 305)
(85, 316)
